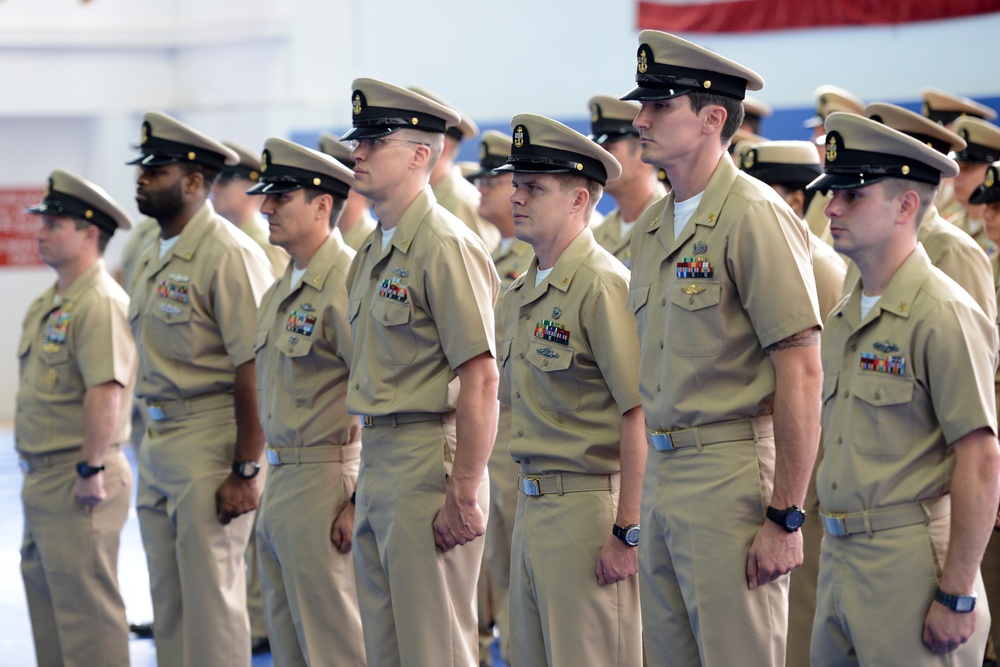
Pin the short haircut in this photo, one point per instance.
(309, 194)
(103, 236)
(734, 111)
(925, 191)
(209, 174)
(594, 189)
(433, 140)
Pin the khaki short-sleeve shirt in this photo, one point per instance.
(143, 235)
(461, 198)
(829, 270)
(737, 280)
(194, 311)
(569, 359)
(960, 257)
(608, 233)
(68, 346)
(900, 386)
(304, 353)
(359, 231)
(512, 262)
(418, 310)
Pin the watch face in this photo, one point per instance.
(794, 519)
(632, 536)
(965, 603)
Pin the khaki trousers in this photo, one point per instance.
(559, 615)
(197, 567)
(500, 529)
(69, 564)
(310, 600)
(418, 604)
(701, 509)
(874, 593)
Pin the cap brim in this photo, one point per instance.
(482, 173)
(984, 195)
(367, 132)
(37, 209)
(263, 188)
(641, 93)
(154, 160)
(826, 182)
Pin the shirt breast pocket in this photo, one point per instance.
(170, 330)
(889, 399)
(695, 327)
(298, 365)
(555, 384)
(397, 344)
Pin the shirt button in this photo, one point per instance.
(661, 344)
(833, 485)
(840, 440)
(657, 387)
(520, 434)
(521, 355)
(663, 301)
(854, 347)
(878, 394)
(517, 394)
(846, 393)
(546, 363)
(357, 386)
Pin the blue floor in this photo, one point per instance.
(16, 647)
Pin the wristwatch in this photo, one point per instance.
(85, 470)
(790, 519)
(962, 604)
(629, 534)
(246, 469)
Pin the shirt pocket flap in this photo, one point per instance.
(504, 350)
(637, 297)
(353, 308)
(696, 296)
(294, 345)
(261, 340)
(390, 313)
(883, 390)
(172, 313)
(547, 357)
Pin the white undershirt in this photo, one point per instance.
(683, 210)
(297, 275)
(167, 244)
(625, 228)
(867, 303)
(542, 275)
(387, 237)
(506, 243)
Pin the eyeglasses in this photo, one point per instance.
(372, 143)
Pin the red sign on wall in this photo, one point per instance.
(17, 228)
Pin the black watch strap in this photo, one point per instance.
(85, 470)
(962, 604)
(790, 519)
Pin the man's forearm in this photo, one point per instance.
(249, 436)
(101, 416)
(797, 406)
(633, 462)
(475, 422)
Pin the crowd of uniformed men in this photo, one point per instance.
(671, 367)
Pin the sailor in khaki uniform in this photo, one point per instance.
(230, 200)
(638, 186)
(944, 108)
(728, 323)
(193, 314)
(982, 140)
(754, 112)
(303, 353)
(423, 377)
(511, 259)
(355, 222)
(569, 361)
(76, 368)
(909, 422)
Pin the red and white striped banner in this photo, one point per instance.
(714, 16)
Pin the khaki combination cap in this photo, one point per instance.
(611, 118)
(73, 196)
(830, 99)
(861, 151)
(540, 145)
(248, 167)
(989, 190)
(754, 109)
(494, 147)
(791, 163)
(466, 128)
(335, 148)
(982, 140)
(166, 140)
(287, 166)
(379, 108)
(919, 127)
(944, 107)
(669, 66)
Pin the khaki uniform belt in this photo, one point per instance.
(566, 482)
(886, 518)
(400, 418)
(709, 434)
(172, 409)
(318, 454)
(31, 462)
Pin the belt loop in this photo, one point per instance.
(866, 516)
(697, 437)
(298, 456)
(392, 420)
(756, 432)
(559, 483)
